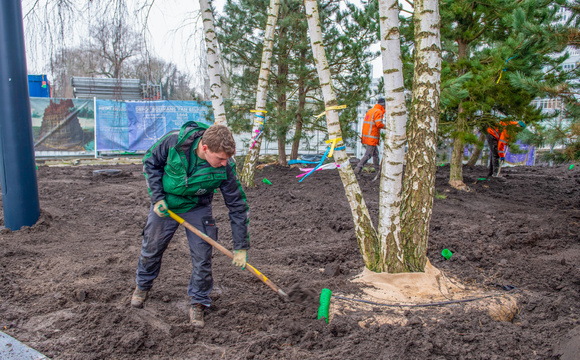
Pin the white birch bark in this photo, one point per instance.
(365, 233)
(217, 100)
(419, 181)
(395, 138)
(247, 175)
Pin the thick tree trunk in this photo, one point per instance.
(217, 100)
(299, 119)
(456, 163)
(248, 172)
(477, 152)
(365, 233)
(391, 249)
(419, 179)
(282, 99)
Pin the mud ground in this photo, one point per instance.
(65, 283)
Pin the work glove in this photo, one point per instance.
(240, 258)
(160, 208)
(522, 124)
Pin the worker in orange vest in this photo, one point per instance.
(497, 142)
(372, 125)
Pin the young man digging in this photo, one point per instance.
(182, 171)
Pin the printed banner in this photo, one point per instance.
(137, 125)
(149, 121)
(112, 129)
(525, 158)
(63, 125)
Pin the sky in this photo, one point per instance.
(174, 32)
(170, 38)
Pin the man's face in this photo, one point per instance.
(215, 159)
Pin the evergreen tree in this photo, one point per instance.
(295, 94)
(495, 47)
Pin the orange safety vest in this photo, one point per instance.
(372, 125)
(502, 138)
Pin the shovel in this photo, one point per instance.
(228, 253)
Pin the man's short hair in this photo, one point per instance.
(219, 138)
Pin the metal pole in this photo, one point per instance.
(17, 164)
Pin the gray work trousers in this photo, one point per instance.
(158, 233)
(372, 151)
(493, 155)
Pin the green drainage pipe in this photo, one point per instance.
(325, 295)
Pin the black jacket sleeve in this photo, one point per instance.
(154, 164)
(235, 200)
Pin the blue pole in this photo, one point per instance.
(17, 164)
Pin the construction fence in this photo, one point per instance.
(77, 127)
(97, 127)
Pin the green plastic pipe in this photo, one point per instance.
(325, 295)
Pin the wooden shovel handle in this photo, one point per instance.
(226, 252)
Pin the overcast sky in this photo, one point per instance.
(174, 32)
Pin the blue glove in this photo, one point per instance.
(522, 124)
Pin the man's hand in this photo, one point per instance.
(240, 258)
(160, 208)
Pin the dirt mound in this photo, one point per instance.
(65, 283)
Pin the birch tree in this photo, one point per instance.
(215, 71)
(294, 97)
(419, 178)
(260, 113)
(387, 250)
(395, 138)
(366, 234)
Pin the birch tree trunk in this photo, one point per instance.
(260, 116)
(217, 100)
(419, 180)
(389, 230)
(365, 232)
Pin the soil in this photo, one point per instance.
(66, 282)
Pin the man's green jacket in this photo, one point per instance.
(175, 173)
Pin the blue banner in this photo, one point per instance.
(525, 158)
(137, 125)
(111, 129)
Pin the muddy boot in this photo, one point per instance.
(196, 315)
(139, 297)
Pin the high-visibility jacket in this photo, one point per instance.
(502, 138)
(372, 125)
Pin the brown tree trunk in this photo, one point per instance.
(299, 119)
(281, 88)
(477, 152)
(456, 163)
